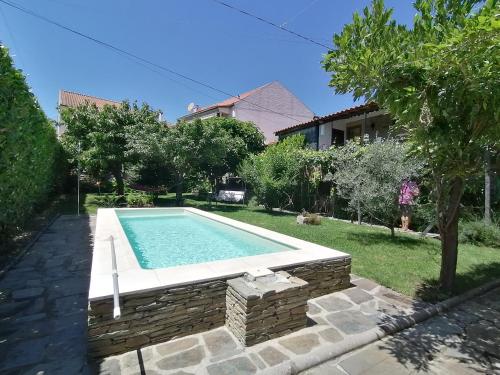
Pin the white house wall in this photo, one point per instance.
(279, 100)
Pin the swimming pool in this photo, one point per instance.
(166, 247)
(173, 267)
(166, 239)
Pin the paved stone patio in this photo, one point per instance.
(43, 303)
(465, 340)
(332, 319)
(43, 318)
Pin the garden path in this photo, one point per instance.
(43, 302)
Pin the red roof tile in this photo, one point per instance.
(73, 99)
(232, 100)
(345, 113)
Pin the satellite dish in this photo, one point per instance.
(192, 107)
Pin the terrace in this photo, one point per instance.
(44, 321)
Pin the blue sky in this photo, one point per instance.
(198, 38)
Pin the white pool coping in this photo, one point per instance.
(133, 278)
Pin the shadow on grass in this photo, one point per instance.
(382, 237)
(476, 276)
(467, 332)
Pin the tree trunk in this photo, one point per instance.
(448, 228)
(392, 232)
(487, 187)
(449, 255)
(120, 186)
(178, 190)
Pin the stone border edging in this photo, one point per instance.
(29, 245)
(334, 350)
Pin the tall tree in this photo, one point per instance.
(440, 80)
(196, 147)
(274, 173)
(102, 136)
(188, 149)
(370, 176)
(247, 140)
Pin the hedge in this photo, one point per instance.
(28, 148)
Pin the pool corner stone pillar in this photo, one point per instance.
(262, 305)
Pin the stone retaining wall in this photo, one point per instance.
(156, 316)
(161, 315)
(266, 307)
(323, 277)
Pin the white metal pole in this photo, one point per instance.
(116, 291)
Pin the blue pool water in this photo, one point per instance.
(173, 239)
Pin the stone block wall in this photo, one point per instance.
(155, 316)
(323, 277)
(266, 307)
(161, 315)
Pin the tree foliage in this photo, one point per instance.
(440, 80)
(246, 139)
(104, 136)
(28, 147)
(284, 173)
(370, 176)
(201, 149)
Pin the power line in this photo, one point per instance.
(280, 27)
(138, 58)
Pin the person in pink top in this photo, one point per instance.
(409, 190)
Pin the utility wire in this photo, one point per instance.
(122, 52)
(280, 27)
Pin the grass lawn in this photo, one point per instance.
(407, 264)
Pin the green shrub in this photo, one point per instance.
(311, 219)
(202, 187)
(139, 200)
(28, 146)
(479, 233)
(253, 202)
(108, 200)
(286, 174)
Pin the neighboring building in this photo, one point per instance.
(73, 100)
(366, 121)
(271, 107)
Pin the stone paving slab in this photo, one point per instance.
(332, 319)
(464, 340)
(43, 309)
(438, 346)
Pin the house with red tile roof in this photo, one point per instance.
(366, 122)
(74, 99)
(270, 107)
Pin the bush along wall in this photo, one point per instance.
(28, 148)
